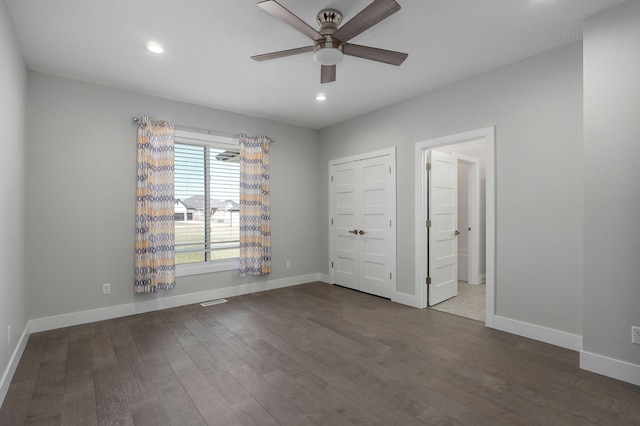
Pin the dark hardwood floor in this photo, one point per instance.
(311, 354)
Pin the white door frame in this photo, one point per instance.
(488, 135)
(392, 196)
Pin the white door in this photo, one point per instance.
(374, 231)
(443, 217)
(363, 223)
(345, 225)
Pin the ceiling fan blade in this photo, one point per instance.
(280, 12)
(374, 54)
(328, 74)
(282, 53)
(367, 18)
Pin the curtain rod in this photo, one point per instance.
(136, 120)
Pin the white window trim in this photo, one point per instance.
(188, 269)
(206, 137)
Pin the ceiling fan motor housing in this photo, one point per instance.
(329, 19)
(328, 51)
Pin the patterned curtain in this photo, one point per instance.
(154, 261)
(255, 218)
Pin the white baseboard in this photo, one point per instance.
(8, 373)
(397, 297)
(610, 367)
(325, 278)
(100, 314)
(536, 332)
(477, 279)
(406, 299)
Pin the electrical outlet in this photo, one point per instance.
(106, 288)
(635, 335)
(8, 335)
(288, 264)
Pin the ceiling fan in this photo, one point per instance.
(330, 42)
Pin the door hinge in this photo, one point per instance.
(332, 264)
(389, 169)
(389, 275)
(428, 280)
(428, 223)
(331, 178)
(332, 221)
(428, 166)
(390, 225)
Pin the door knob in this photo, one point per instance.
(355, 231)
(457, 232)
(361, 232)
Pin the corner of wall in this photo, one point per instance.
(14, 360)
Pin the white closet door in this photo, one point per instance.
(375, 229)
(363, 229)
(346, 218)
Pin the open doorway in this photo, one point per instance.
(466, 146)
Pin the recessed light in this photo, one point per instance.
(154, 47)
(321, 97)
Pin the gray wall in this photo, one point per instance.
(13, 87)
(536, 106)
(612, 177)
(80, 193)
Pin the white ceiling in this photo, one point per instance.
(208, 44)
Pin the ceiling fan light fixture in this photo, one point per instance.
(328, 56)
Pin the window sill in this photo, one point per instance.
(207, 267)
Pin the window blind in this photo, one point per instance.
(206, 207)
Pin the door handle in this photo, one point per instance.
(355, 231)
(361, 232)
(456, 233)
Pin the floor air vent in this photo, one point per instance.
(213, 302)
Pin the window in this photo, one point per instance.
(207, 200)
